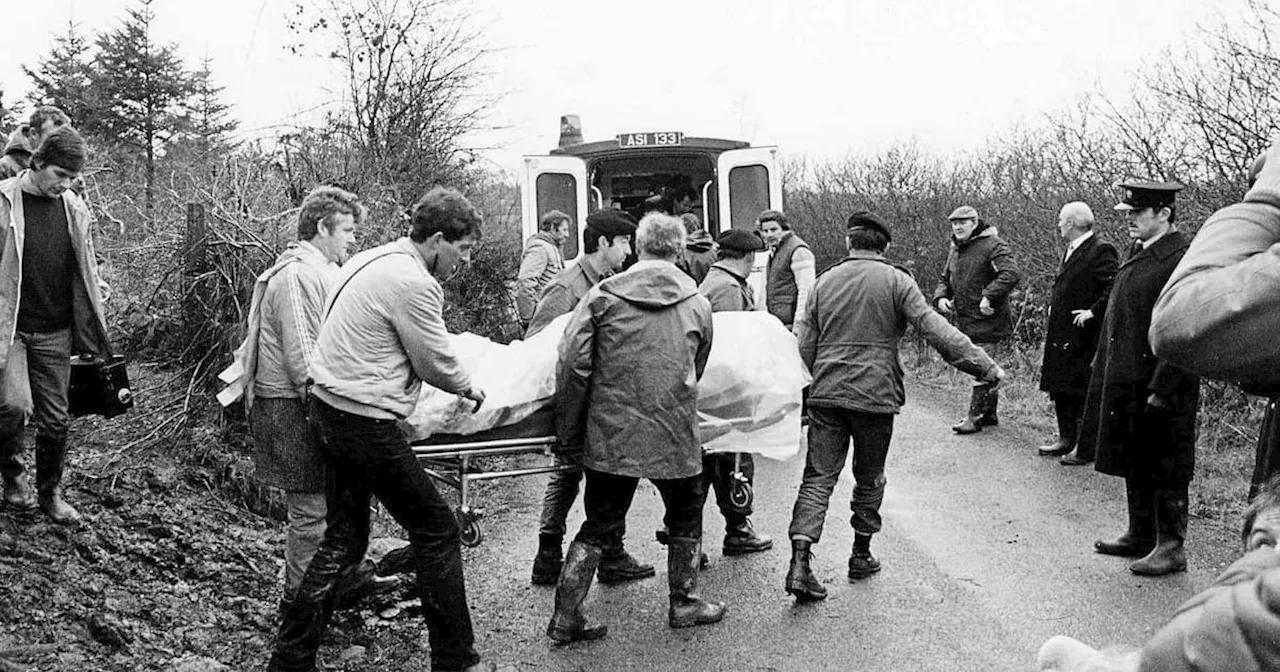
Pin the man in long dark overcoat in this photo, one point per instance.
(1141, 411)
(1077, 304)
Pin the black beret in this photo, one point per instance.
(741, 240)
(866, 220)
(611, 222)
(1142, 194)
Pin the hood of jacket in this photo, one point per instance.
(649, 284)
(699, 241)
(982, 230)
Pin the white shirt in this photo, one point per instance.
(1148, 243)
(1075, 244)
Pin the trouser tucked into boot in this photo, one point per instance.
(568, 623)
(800, 579)
(51, 458)
(973, 420)
(1140, 537)
(17, 488)
(1171, 531)
(687, 608)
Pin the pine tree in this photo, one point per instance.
(65, 78)
(209, 120)
(147, 89)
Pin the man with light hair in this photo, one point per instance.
(1076, 305)
(542, 261)
(628, 395)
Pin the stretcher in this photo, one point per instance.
(458, 461)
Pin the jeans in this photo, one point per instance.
(830, 431)
(562, 491)
(371, 458)
(35, 382)
(303, 535)
(608, 498)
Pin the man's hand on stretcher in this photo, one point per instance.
(474, 394)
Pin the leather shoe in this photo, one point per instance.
(1056, 449)
(620, 566)
(1073, 459)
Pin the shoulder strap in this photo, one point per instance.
(333, 298)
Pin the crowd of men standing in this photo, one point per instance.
(336, 353)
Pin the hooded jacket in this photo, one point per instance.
(980, 266)
(627, 380)
(699, 255)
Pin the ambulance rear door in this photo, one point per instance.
(749, 182)
(554, 183)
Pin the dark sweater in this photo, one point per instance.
(48, 266)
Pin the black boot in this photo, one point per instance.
(741, 538)
(800, 579)
(568, 623)
(687, 608)
(972, 422)
(548, 561)
(989, 411)
(17, 489)
(861, 563)
(51, 455)
(1066, 437)
(1171, 530)
(618, 566)
(1140, 538)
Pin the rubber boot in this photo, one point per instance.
(1140, 538)
(51, 455)
(568, 623)
(990, 416)
(17, 488)
(972, 422)
(662, 535)
(800, 579)
(548, 561)
(687, 609)
(861, 563)
(1066, 439)
(1171, 531)
(618, 566)
(740, 537)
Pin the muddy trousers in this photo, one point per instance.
(717, 476)
(608, 498)
(561, 493)
(34, 385)
(370, 458)
(830, 432)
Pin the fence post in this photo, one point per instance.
(195, 262)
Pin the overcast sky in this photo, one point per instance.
(816, 77)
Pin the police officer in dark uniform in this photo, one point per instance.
(1140, 417)
(726, 288)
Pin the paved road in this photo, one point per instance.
(986, 554)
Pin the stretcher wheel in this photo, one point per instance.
(740, 494)
(469, 528)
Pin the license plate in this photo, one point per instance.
(662, 139)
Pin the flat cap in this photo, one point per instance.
(1142, 194)
(863, 219)
(772, 216)
(964, 212)
(611, 222)
(741, 240)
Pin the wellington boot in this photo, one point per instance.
(18, 492)
(687, 608)
(1171, 528)
(57, 508)
(800, 579)
(1140, 538)
(51, 457)
(972, 423)
(990, 416)
(548, 561)
(568, 623)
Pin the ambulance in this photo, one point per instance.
(734, 182)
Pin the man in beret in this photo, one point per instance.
(849, 335)
(726, 288)
(1140, 413)
(606, 243)
(975, 286)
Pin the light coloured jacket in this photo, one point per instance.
(384, 335)
(292, 305)
(630, 362)
(541, 262)
(858, 312)
(88, 324)
(1219, 313)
